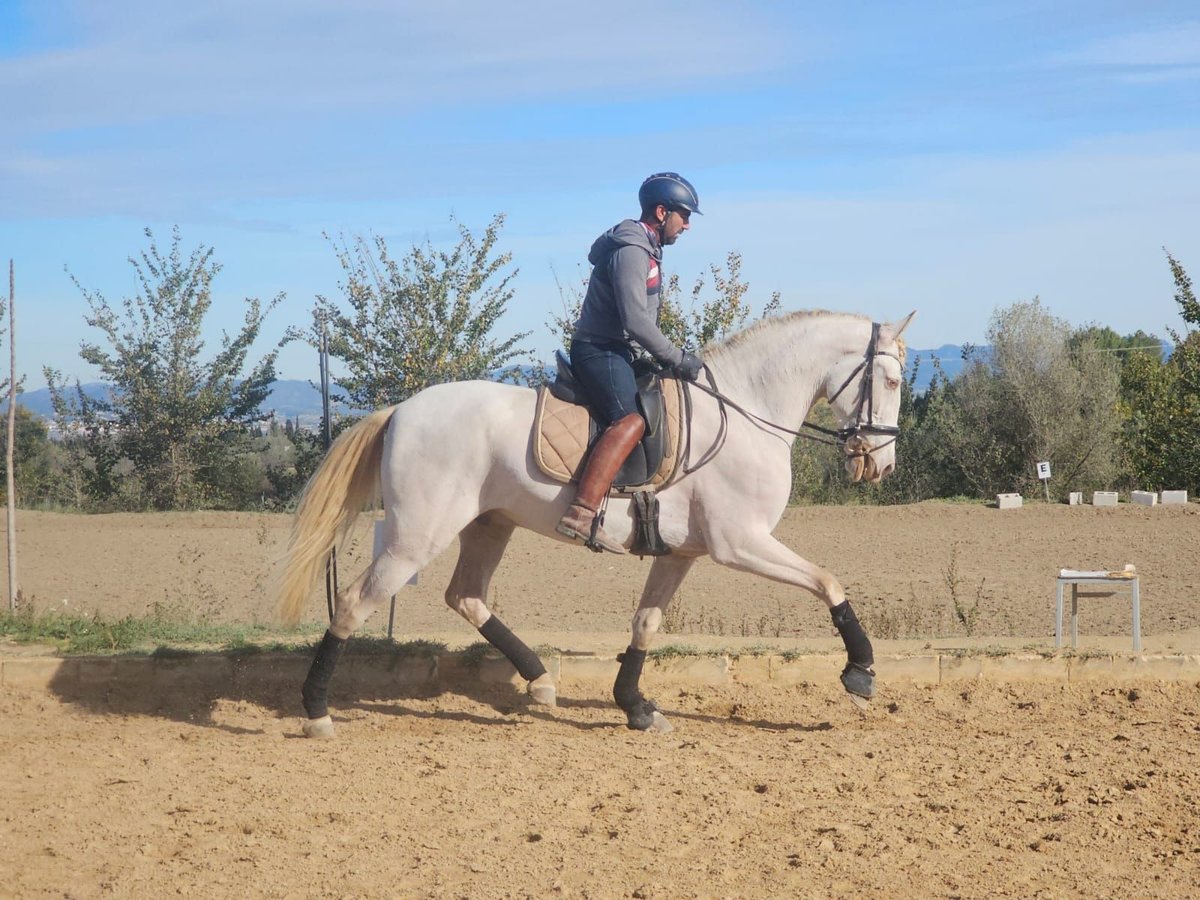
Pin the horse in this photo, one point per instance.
(456, 460)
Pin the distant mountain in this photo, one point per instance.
(39, 401)
(949, 357)
(291, 399)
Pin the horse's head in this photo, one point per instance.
(864, 390)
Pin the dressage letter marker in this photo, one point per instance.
(1043, 470)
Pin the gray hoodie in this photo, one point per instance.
(624, 292)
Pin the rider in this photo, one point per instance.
(619, 314)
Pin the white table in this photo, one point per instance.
(1102, 584)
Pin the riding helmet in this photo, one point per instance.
(670, 189)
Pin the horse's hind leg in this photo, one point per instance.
(383, 578)
(666, 574)
(481, 545)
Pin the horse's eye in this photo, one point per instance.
(892, 383)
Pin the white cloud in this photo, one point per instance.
(142, 60)
(956, 238)
(1174, 45)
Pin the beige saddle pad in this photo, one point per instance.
(560, 437)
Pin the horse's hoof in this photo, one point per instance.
(859, 681)
(861, 702)
(646, 717)
(660, 724)
(543, 692)
(321, 728)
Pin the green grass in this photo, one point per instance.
(679, 651)
(372, 645)
(472, 657)
(76, 633)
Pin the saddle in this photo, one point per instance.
(564, 429)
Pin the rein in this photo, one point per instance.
(838, 437)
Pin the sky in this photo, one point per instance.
(867, 157)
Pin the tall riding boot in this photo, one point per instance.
(609, 452)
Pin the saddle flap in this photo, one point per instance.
(564, 431)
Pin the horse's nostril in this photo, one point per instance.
(887, 470)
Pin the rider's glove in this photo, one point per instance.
(689, 367)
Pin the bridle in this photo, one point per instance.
(866, 397)
(837, 437)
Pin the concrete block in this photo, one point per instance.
(416, 670)
(173, 674)
(1008, 501)
(1174, 498)
(36, 673)
(1090, 668)
(1104, 498)
(1075, 498)
(498, 670)
(98, 672)
(1162, 668)
(271, 671)
(588, 668)
(752, 669)
(960, 668)
(1143, 498)
(1023, 668)
(910, 669)
(139, 675)
(486, 667)
(691, 670)
(814, 669)
(1125, 669)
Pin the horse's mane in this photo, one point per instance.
(772, 322)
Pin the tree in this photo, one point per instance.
(1161, 402)
(179, 422)
(706, 320)
(421, 321)
(1028, 398)
(1102, 339)
(33, 458)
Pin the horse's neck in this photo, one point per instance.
(778, 370)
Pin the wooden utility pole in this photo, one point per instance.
(13, 588)
(331, 572)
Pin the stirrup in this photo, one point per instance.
(589, 538)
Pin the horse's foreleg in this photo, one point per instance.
(764, 555)
(666, 574)
(482, 544)
(382, 579)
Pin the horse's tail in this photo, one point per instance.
(346, 481)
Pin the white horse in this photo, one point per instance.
(456, 460)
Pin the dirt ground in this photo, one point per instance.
(966, 790)
(897, 564)
(983, 790)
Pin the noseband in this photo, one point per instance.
(840, 437)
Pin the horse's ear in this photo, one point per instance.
(897, 328)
